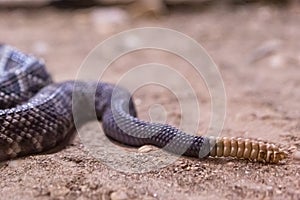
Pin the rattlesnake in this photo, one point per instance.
(37, 115)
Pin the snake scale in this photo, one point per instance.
(36, 115)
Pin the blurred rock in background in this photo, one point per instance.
(147, 8)
(23, 3)
(150, 5)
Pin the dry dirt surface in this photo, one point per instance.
(257, 50)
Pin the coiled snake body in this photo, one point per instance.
(37, 115)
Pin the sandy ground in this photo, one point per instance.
(257, 50)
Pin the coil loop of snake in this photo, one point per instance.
(36, 115)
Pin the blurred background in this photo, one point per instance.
(255, 44)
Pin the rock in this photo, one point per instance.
(114, 2)
(147, 8)
(264, 50)
(28, 3)
(15, 163)
(296, 155)
(107, 20)
(174, 2)
(119, 195)
(58, 193)
(230, 163)
(149, 198)
(278, 191)
(277, 61)
(145, 149)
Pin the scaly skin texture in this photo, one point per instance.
(36, 115)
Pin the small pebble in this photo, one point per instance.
(114, 2)
(265, 49)
(149, 8)
(119, 195)
(278, 191)
(194, 168)
(296, 155)
(230, 163)
(14, 163)
(145, 149)
(277, 61)
(56, 193)
(107, 20)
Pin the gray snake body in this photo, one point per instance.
(37, 115)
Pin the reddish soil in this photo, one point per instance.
(257, 51)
